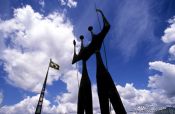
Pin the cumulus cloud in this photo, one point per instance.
(27, 106)
(164, 80)
(65, 103)
(42, 3)
(72, 87)
(31, 40)
(169, 37)
(1, 97)
(132, 98)
(172, 52)
(68, 101)
(69, 3)
(148, 99)
(169, 33)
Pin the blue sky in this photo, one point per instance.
(140, 52)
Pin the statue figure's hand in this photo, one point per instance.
(98, 10)
(74, 42)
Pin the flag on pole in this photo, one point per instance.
(53, 65)
(40, 101)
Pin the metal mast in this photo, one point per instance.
(41, 98)
(40, 101)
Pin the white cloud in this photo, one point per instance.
(27, 106)
(72, 86)
(42, 3)
(69, 3)
(63, 2)
(70, 99)
(169, 33)
(32, 40)
(1, 97)
(132, 98)
(169, 37)
(66, 108)
(72, 3)
(172, 51)
(164, 80)
(66, 103)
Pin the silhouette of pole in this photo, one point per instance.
(40, 101)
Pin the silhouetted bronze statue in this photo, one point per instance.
(85, 92)
(96, 42)
(105, 85)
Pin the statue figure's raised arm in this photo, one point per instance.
(96, 43)
(106, 25)
(82, 54)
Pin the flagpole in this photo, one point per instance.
(41, 98)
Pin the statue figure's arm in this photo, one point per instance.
(81, 54)
(106, 25)
(75, 56)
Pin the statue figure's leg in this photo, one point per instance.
(106, 87)
(116, 100)
(87, 90)
(88, 98)
(85, 97)
(113, 94)
(102, 85)
(85, 93)
(103, 100)
(80, 106)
